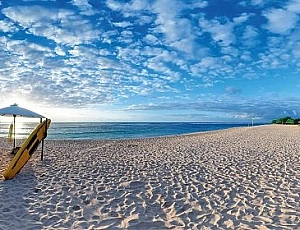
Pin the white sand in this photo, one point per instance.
(241, 178)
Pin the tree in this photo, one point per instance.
(290, 121)
(286, 120)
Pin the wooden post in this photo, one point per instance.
(42, 153)
(14, 132)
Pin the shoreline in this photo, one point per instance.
(120, 130)
(245, 178)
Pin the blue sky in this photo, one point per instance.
(144, 60)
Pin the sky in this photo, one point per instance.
(151, 60)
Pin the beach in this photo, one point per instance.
(238, 178)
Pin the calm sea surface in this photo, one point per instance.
(115, 130)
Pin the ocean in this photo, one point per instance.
(115, 130)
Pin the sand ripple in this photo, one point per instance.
(242, 178)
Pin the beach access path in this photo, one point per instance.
(239, 178)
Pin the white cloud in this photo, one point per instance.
(71, 29)
(59, 51)
(144, 20)
(257, 2)
(208, 62)
(168, 20)
(250, 36)
(26, 15)
(178, 31)
(138, 5)
(7, 26)
(79, 80)
(122, 24)
(167, 16)
(199, 4)
(221, 33)
(81, 56)
(250, 33)
(280, 21)
(36, 47)
(185, 45)
(84, 6)
(108, 36)
(207, 69)
(130, 54)
(232, 90)
(238, 108)
(114, 5)
(294, 6)
(160, 64)
(126, 36)
(155, 58)
(296, 50)
(151, 39)
(241, 19)
(128, 8)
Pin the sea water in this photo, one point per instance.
(115, 130)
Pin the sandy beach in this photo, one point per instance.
(240, 178)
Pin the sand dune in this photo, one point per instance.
(241, 178)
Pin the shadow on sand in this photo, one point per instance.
(15, 197)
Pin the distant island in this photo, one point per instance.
(286, 121)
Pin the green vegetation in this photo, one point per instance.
(286, 121)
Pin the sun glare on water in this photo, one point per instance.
(22, 128)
